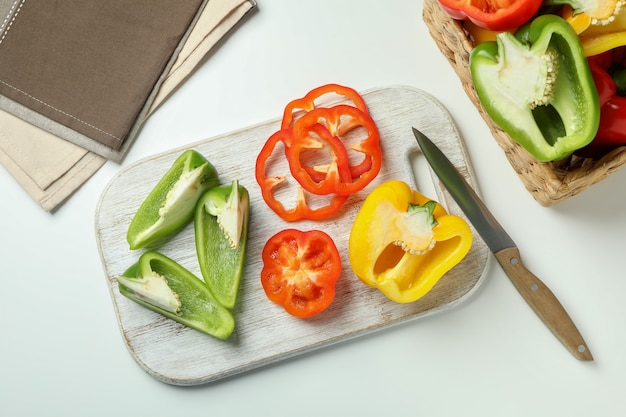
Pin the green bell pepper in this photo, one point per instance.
(171, 203)
(221, 233)
(536, 86)
(164, 286)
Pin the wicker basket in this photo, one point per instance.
(548, 182)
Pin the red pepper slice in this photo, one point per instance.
(327, 123)
(313, 98)
(308, 147)
(270, 184)
(496, 15)
(300, 271)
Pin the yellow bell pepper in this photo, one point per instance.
(601, 24)
(402, 243)
(478, 34)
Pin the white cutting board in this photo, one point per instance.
(264, 333)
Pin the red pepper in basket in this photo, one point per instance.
(609, 74)
(496, 15)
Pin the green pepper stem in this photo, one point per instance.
(427, 210)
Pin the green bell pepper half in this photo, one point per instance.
(221, 233)
(536, 86)
(170, 205)
(164, 286)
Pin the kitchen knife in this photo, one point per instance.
(534, 291)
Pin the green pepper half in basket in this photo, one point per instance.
(536, 85)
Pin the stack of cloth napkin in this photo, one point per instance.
(78, 78)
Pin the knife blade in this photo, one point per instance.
(533, 290)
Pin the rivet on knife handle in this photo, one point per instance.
(543, 302)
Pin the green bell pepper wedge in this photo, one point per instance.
(221, 234)
(536, 85)
(164, 286)
(170, 205)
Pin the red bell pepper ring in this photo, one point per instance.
(495, 15)
(313, 98)
(269, 186)
(300, 271)
(611, 133)
(306, 147)
(327, 123)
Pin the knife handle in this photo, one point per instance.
(543, 302)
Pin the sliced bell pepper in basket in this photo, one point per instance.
(300, 271)
(492, 14)
(600, 24)
(221, 235)
(609, 74)
(402, 243)
(165, 287)
(171, 203)
(536, 85)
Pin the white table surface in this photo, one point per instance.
(61, 352)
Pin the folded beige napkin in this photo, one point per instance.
(50, 169)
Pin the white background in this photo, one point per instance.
(61, 352)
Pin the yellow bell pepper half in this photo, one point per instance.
(601, 26)
(402, 243)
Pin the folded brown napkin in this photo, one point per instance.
(87, 70)
(50, 168)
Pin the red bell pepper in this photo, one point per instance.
(609, 74)
(326, 124)
(329, 170)
(313, 99)
(300, 270)
(270, 185)
(320, 147)
(498, 15)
